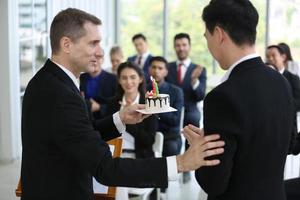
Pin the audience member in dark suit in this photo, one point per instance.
(191, 78)
(143, 56)
(95, 88)
(252, 109)
(275, 56)
(131, 87)
(62, 148)
(169, 123)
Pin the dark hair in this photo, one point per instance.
(160, 59)
(280, 50)
(139, 36)
(181, 36)
(69, 23)
(238, 18)
(287, 51)
(139, 71)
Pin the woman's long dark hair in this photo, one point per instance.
(139, 71)
(287, 51)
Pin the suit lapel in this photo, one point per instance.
(173, 73)
(187, 77)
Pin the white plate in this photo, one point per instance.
(147, 112)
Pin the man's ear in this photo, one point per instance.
(221, 34)
(65, 44)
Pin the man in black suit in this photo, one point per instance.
(252, 109)
(62, 148)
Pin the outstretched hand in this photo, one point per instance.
(130, 115)
(200, 148)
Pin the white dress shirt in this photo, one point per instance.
(171, 161)
(227, 74)
(144, 58)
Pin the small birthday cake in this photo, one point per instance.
(156, 102)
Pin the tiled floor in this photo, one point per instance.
(9, 175)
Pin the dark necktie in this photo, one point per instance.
(139, 60)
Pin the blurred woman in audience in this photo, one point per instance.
(289, 63)
(116, 58)
(138, 138)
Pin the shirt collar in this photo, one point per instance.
(281, 71)
(69, 73)
(136, 100)
(145, 55)
(185, 62)
(227, 74)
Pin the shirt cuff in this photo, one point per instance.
(172, 168)
(196, 84)
(118, 123)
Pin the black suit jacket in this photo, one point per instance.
(295, 85)
(62, 150)
(292, 187)
(253, 113)
(143, 132)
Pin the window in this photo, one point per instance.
(141, 17)
(33, 38)
(182, 16)
(285, 24)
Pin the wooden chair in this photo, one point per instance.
(111, 194)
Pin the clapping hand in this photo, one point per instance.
(196, 73)
(95, 106)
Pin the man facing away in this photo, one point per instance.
(62, 147)
(252, 110)
(143, 56)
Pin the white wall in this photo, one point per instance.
(10, 117)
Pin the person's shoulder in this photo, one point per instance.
(131, 58)
(108, 74)
(84, 76)
(174, 87)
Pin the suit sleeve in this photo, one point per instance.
(199, 92)
(173, 118)
(295, 84)
(82, 145)
(219, 117)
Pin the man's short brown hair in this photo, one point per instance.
(69, 23)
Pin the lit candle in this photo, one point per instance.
(156, 89)
(153, 86)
